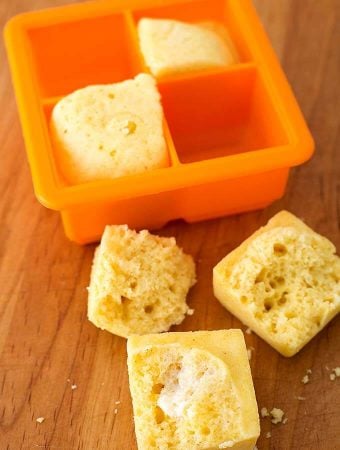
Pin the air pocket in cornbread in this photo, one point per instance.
(171, 46)
(107, 131)
(192, 391)
(283, 282)
(139, 282)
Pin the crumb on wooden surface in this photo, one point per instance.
(276, 415)
(305, 379)
(264, 412)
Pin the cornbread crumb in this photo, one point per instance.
(40, 419)
(117, 402)
(73, 387)
(305, 379)
(337, 371)
(285, 420)
(283, 282)
(332, 376)
(268, 435)
(300, 398)
(190, 312)
(264, 412)
(250, 352)
(116, 410)
(248, 331)
(139, 282)
(226, 444)
(277, 415)
(309, 371)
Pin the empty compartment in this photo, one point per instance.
(72, 55)
(216, 115)
(202, 11)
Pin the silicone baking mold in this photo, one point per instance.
(232, 134)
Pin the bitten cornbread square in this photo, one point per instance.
(139, 282)
(283, 282)
(103, 132)
(192, 390)
(170, 46)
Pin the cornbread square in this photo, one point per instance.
(103, 132)
(171, 46)
(139, 282)
(192, 390)
(282, 282)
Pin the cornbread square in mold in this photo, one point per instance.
(103, 132)
(172, 47)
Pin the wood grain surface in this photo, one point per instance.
(46, 342)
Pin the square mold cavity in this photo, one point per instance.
(70, 55)
(221, 114)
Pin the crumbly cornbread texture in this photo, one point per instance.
(107, 131)
(283, 282)
(171, 46)
(139, 282)
(192, 391)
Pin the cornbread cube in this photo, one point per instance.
(192, 390)
(103, 132)
(170, 46)
(139, 282)
(283, 282)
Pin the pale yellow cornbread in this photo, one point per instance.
(170, 47)
(192, 390)
(139, 282)
(283, 282)
(107, 131)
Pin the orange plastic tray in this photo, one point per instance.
(232, 133)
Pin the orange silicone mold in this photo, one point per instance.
(232, 134)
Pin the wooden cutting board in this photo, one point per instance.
(46, 343)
